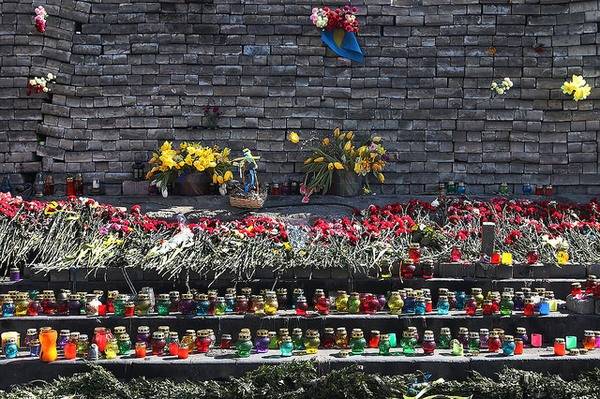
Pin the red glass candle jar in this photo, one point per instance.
(428, 343)
(374, 339)
(518, 346)
(471, 307)
(494, 343)
(488, 308)
(414, 253)
(322, 305)
(495, 258)
(407, 269)
(241, 304)
(226, 341)
(428, 305)
(539, 190)
(129, 309)
(575, 289)
(560, 348)
(203, 341)
(70, 350)
(158, 343)
(328, 341)
(455, 255)
(183, 352)
(549, 190)
(532, 257)
(370, 304)
(140, 350)
(301, 306)
(529, 309)
(70, 187)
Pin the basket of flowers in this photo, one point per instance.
(190, 167)
(341, 164)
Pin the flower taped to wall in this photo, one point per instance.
(338, 30)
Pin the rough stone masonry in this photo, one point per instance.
(132, 74)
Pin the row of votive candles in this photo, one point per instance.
(405, 301)
(48, 344)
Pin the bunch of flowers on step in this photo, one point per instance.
(40, 19)
(40, 84)
(577, 87)
(168, 163)
(340, 153)
(500, 88)
(339, 18)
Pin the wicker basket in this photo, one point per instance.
(254, 202)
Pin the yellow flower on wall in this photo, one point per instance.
(294, 137)
(577, 87)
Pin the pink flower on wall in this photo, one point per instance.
(40, 19)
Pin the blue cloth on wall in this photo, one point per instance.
(347, 47)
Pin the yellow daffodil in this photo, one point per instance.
(220, 179)
(578, 80)
(568, 87)
(51, 208)
(228, 176)
(319, 159)
(294, 137)
(380, 177)
(581, 93)
(338, 165)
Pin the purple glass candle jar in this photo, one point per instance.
(262, 341)
(143, 335)
(15, 274)
(187, 307)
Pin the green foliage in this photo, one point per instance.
(308, 380)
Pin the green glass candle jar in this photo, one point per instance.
(163, 305)
(297, 339)
(273, 340)
(457, 348)
(384, 345)
(243, 346)
(444, 338)
(357, 342)
(506, 304)
(120, 304)
(286, 346)
(83, 346)
(124, 344)
(408, 342)
(474, 342)
(354, 303)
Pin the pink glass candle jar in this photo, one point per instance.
(536, 340)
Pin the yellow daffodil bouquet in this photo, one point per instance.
(576, 87)
(341, 153)
(168, 163)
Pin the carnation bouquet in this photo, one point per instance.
(168, 163)
(339, 27)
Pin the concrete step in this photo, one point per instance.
(219, 364)
(551, 326)
(560, 286)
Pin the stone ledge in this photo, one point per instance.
(220, 364)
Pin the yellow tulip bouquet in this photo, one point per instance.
(168, 163)
(340, 153)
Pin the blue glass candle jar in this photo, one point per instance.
(461, 299)
(8, 307)
(409, 303)
(519, 301)
(420, 306)
(11, 350)
(202, 305)
(508, 345)
(443, 306)
(286, 346)
(229, 303)
(544, 307)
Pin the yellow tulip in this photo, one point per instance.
(380, 177)
(220, 179)
(294, 137)
(319, 160)
(214, 179)
(330, 166)
(307, 161)
(376, 139)
(228, 175)
(348, 146)
(326, 141)
(338, 165)
(336, 132)
(349, 135)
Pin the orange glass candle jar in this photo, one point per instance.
(560, 348)
(48, 337)
(140, 350)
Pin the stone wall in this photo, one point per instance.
(134, 74)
